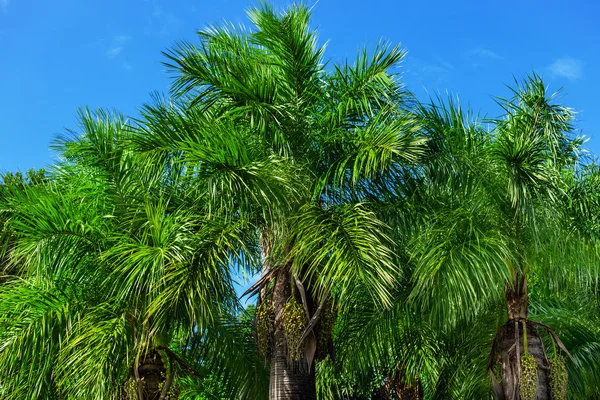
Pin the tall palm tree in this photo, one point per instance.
(435, 339)
(493, 197)
(118, 282)
(514, 176)
(270, 134)
(533, 144)
(489, 209)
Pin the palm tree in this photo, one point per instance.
(533, 145)
(263, 152)
(271, 135)
(433, 342)
(482, 213)
(118, 282)
(514, 177)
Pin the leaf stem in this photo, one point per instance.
(525, 348)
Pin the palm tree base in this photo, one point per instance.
(507, 344)
(152, 374)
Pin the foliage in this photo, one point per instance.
(402, 223)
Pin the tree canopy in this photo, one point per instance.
(397, 248)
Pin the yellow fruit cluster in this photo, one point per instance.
(265, 317)
(528, 383)
(558, 377)
(294, 322)
(173, 392)
(131, 389)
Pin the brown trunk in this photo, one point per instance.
(509, 367)
(152, 374)
(289, 380)
(510, 343)
(517, 303)
(398, 389)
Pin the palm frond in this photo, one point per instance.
(461, 260)
(344, 246)
(35, 317)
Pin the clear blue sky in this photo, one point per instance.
(56, 56)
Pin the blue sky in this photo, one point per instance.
(56, 56)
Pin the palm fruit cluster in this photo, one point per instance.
(326, 323)
(130, 389)
(294, 322)
(173, 392)
(528, 384)
(558, 377)
(265, 317)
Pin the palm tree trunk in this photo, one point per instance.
(399, 389)
(289, 380)
(150, 376)
(510, 347)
